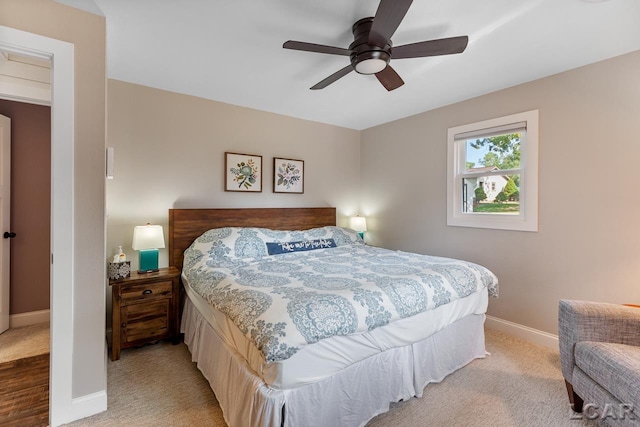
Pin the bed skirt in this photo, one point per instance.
(349, 398)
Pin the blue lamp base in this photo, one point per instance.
(361, 234)
(147, 260)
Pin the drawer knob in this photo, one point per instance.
(147, 292)
(124, 325)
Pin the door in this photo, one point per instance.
(5, 210)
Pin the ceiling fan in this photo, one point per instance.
(372, 49)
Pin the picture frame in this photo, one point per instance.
(288, 175)
(243, 172)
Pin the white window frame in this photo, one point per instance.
(527, 219)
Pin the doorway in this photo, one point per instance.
(30, 211)
(25, 348)
(61, 403)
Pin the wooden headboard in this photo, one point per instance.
(185, 225)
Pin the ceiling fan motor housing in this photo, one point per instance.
(372, 48)
(365, 58)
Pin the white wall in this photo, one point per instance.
(169, 153)
(588, 244)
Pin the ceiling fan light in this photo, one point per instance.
(371, 66)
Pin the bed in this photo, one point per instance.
(310, 326)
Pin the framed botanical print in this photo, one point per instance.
(243, 172)
(288, 175)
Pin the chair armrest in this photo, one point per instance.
(593, 321)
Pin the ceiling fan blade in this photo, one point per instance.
(317, 48)
(389, 78)
(431, 48)
(388, 17)
(332, 78)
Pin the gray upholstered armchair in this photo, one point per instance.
(600, 356)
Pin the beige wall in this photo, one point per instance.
(87, 33)
(588, 243)
(30, 205)
(169, 152)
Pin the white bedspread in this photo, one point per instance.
(283, 303)
(349, 398)
(329, 356)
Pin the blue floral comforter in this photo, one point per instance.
(284, 302)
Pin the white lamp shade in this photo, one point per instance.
(358, 223)
(147, 237)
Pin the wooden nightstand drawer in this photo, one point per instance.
(146, 320)
(145, 309)
(146, 291)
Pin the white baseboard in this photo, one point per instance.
(525, 333)
(30, 318)
(88, 405)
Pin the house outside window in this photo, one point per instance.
(492, 173)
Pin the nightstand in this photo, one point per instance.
(145, 309)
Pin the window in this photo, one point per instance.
(492, 173)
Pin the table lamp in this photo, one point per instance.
(147, 239)
(359, 224)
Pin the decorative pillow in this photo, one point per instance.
(275, 248)
(230, 245)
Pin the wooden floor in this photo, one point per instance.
(24, 376)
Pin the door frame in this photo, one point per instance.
(63, 407)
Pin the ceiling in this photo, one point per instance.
(231, 51)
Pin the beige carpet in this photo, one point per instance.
(519, 384)
(26, 341)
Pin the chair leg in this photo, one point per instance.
(575, 400)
